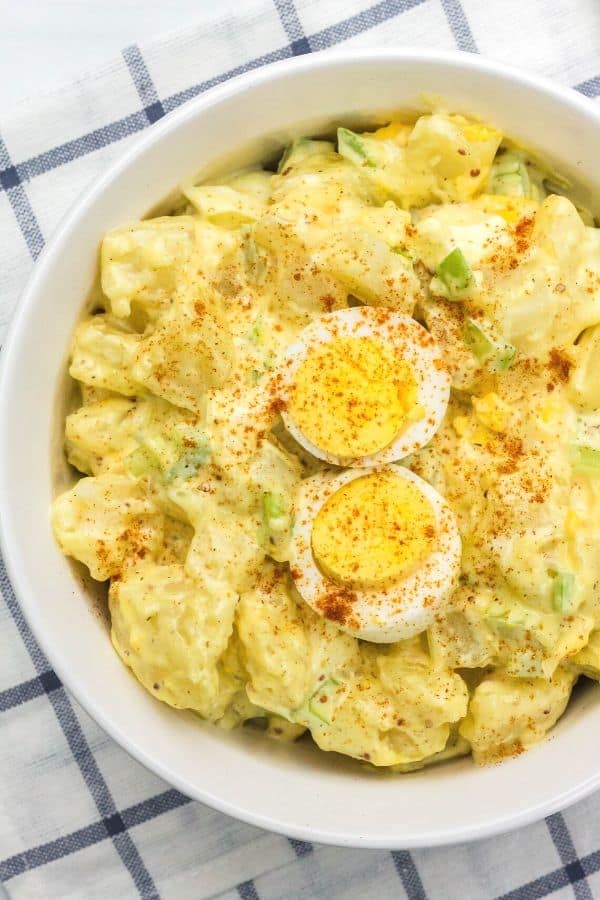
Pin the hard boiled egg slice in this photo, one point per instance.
(364, 386)
(376, 551)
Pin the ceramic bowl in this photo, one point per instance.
(295, 789)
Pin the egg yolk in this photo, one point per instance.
(352, 396)
(374, 531)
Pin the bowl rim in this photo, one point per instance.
(9, 362)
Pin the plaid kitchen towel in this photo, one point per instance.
(78, 817)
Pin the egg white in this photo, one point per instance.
(417, 348)
(383, 615)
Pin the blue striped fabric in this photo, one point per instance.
(78, 818)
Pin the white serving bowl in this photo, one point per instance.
(294, 789)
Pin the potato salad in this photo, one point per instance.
(337, 444)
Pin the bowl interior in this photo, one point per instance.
(296, 789)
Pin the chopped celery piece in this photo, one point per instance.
(273, 506)
(256, 333)
(498, 356)
(188, 464)
(321, 702)
(142, 461)
(276, 519)
(511, 184)
(583, 457)
(352, 147)
(477, 340)
(509, 176)
(563, 589)
(454, 272)
(506, 164)
(255, 256)
(503, 358)
(511, 623)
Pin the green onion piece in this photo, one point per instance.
(188, 464)
(563, 589)
(401, 251)
(454, 272)
(352, 147)
(142, 461)
(256, 376)
(321, 702)
(583, 457)
(273, 506)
